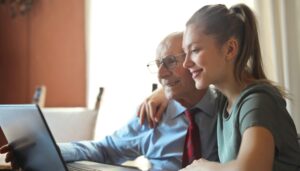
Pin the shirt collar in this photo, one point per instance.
(174, 109)
(207, 104)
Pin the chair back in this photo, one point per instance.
(71, 124)
(39, 96)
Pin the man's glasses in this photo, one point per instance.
(170, 62)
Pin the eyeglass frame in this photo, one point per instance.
(162, 61)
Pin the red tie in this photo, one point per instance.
(191, 150)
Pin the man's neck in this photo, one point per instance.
(192, 98)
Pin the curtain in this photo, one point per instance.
(279, 30)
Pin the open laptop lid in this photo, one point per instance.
(28, 134)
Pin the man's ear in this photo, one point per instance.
(231, 49)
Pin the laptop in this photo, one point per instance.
(33, 144)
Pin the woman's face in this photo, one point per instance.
(205, 58)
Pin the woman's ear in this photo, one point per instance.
(231, 49)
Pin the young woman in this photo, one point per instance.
(255, 131)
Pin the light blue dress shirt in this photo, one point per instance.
(163, 145)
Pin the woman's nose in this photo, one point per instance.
(187, 63)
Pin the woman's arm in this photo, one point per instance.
(153, 107)
(256, 153)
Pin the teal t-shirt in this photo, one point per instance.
(259, 105)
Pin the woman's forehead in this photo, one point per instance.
(192, 35)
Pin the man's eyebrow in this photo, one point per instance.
(161, 58)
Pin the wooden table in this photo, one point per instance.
(5, 167)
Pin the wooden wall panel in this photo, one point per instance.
(57, 34)
(13, 57)
(49, 47)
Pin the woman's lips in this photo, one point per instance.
(196, 73)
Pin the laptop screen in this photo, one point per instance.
(27, 133)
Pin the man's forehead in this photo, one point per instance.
(165, 51)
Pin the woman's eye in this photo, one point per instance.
(195, 50)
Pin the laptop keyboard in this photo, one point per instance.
(92, 166)
(75, 167)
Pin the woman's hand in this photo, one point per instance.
(202, 165)
(153, 107)
(196, 165)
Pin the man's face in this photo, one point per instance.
(176, 81)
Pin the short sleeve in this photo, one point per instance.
(258, 109)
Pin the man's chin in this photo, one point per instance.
(169, 94)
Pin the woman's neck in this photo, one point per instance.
(233, 88)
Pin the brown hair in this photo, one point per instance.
(238, 22)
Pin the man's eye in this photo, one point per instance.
(169, 60)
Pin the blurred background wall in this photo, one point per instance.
(44, 47)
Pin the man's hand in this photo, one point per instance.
(9, 156)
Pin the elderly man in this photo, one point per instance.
(164, 144)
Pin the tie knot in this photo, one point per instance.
(190, 114)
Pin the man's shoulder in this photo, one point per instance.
(209, 102)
